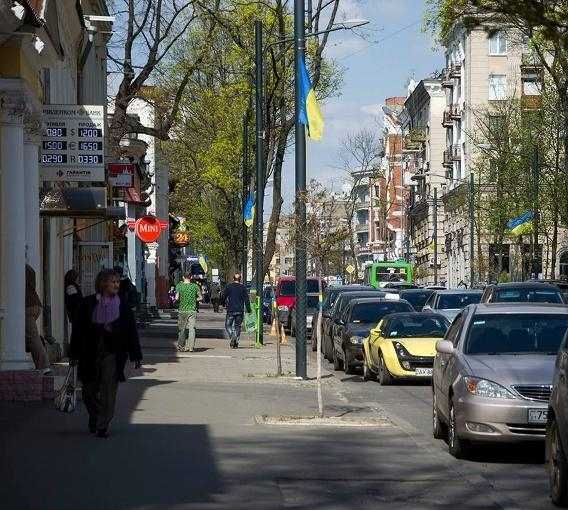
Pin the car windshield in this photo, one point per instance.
(374, 312)
(416, 299)
(521, 295)
(516, 333)
(313, 302)
(457, 301)
(416, 326)
(288, 287)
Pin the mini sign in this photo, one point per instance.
(72, 147)
(148, 228)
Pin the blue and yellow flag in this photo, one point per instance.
(248, 213)
(522, 224)
(203, 263)
(310, 113)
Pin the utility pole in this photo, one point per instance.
(300, 163)
(246, 185)
(435, 235)
(471, 230)
(259, 205)
(536, 179)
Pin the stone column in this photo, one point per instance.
(13, 234)
(31, 190)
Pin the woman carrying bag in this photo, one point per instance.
(104, 335)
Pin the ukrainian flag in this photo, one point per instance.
(310, 113)
(522, 224)
(248, 213)
(203, 263)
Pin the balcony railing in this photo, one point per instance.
(409, 145)
(455, 112)
(447, 120)
(531, 102)
(419, 134)
(530, 63)
(447, 80)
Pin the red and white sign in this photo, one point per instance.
(148, 228)
(121, 175)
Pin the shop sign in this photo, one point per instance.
(148, 228)
(121, 175)
(72, 145)
(181, 238)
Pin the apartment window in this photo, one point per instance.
(531, 85)
(498, 43)
(497, 87)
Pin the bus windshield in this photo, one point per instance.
(382, 273)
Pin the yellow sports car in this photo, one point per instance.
(403, 345)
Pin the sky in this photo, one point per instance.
(394, 50)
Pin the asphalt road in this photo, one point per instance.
(516, 473)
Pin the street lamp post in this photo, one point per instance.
(435, 235)
(471, 229)
(300, 160)
(536, 179)
(246, 183)
(259, 205)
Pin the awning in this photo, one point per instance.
(78, 203)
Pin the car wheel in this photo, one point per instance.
(385, 378)
(367, 374)
(557, 467)
(337, 363)
(457, 447)
(438, 428)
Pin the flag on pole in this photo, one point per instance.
(248, 213)
(522, 224)
(203, 263)
(310, 113)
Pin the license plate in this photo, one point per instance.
(427, 372)
(538, 415)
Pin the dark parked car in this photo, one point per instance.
(400, 285)
(330, 296)
(522, 292)
(312, 306)
(353, 326)
(338, 308)
(557, 429)
(416, 297)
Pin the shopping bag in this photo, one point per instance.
(66, 399)
(250, 322)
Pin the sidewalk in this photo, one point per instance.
(185, 436)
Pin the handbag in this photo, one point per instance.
(66, 399)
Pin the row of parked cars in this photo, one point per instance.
(497, 359)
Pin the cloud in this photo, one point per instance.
(372, 109)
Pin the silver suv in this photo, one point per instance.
(493, 373)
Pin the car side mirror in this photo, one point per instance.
(427, 307)
(444, 347)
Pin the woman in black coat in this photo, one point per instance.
(104, 335)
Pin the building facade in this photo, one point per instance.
(47, 50)
(424, 140)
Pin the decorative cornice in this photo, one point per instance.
(13, 107)
(32, 128)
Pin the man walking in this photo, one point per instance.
(236, 300)
(187, 295)
(215, 296)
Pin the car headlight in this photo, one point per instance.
(401, 351)
(356, 340)
(309, 319)
(484, 388)
(283, 308)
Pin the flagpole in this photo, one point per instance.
(259, 206)
(300, 163)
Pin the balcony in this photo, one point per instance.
(531, 102)
(448, 160)
(409, 145)
(419, 134)
(530, 64)
(455, 71)
(362, 226)
(455, 112)
(447, 80)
